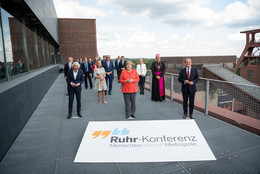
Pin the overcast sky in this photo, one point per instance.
(143, 28)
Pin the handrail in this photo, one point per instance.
(222, 81)
(215, 80)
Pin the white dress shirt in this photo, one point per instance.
(75, 74)
(187, 71)
(70, 63)
(141, 69)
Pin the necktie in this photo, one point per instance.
(86, 66)
(188, 74)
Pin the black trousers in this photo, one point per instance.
(118, 74)
(77, 92)
(191, 97)
(88, 78)
(67, 87)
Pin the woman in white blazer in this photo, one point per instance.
(141, 70)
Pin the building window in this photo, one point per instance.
(250, 75)
(21, 49)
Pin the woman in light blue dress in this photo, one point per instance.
(100, 82)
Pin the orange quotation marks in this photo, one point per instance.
(104, 134)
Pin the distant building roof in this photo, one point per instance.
(248, 87)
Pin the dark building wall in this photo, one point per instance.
(201, 59)
(175, 64)
(77, 38)
(19, 102)
(46, 13)
(251, 73)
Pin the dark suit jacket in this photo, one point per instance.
(121, 64)
(66, 69)
(90, 67)
(92, 63)
(117, 64)
(194, 76)
(79, 78)
(110, 68)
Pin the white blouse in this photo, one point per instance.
(141, 69)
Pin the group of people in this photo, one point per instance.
(15, 68)
(102, 72)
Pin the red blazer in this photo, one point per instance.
(129, 87)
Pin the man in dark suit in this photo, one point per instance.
(109, 69)
(75, 80)
(87, 71)
(188, 76)
(117, 61)
(21, 66)
(67, 68)
(2, 70)
(92, 64)
(122, 64)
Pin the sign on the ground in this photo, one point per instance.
(143, 141)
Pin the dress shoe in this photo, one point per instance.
(191, 117)
(69, 116)
(133, 116)
(109, 93)
(79, 114)
(184, 116)
(67, 94)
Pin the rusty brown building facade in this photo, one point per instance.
(77, 38)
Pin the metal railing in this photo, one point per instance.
(232, 102)
(235, 101)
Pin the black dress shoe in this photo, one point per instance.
(69, 116)
(133, 116)
(79, 114)
(67, 94)
(109, 93)
(184, 116)
(191, 117)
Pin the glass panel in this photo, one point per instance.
(14, 44)
(40, 51)
(46, 53)
(2, 61)
(31, 47)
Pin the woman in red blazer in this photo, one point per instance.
(129, 79)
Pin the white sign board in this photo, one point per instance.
(143, 141)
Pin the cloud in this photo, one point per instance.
(190, 13)
(73, 9)
(236, 37)
(147, 43)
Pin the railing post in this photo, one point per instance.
(151, 77)
(207, 97)
(172, 85)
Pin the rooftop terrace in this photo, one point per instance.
(49, 141)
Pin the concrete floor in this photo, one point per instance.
(49, 141)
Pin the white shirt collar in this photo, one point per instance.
(75, 74)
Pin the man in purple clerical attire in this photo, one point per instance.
(158, 86)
